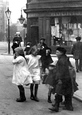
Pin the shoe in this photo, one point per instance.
(49, 101)
(36, 99)
(77, 70)
(54, 109)
(20, 100)
(32, 98)
(53, 104)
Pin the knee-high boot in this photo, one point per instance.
(31, 92)
(35, 93)
(49, 95)
(57, 102)
(22, 94)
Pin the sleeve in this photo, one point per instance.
(17, 60)
(73, 48)
(27, 56)
(39, 57)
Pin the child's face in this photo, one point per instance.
(58, 53)
(34, 53)
(16, 54)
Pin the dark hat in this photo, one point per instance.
(28, 43)
(78, 38)
(42, 38)
(61, 49)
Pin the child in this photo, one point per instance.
(49, 80)
(27, 48)
(21, 75)
(48, 61)
(34, 68)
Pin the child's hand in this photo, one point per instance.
(59, 82)
(14, 56)
(50, 68)
(47, 71)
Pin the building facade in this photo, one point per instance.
(58, 21)
(3, 20)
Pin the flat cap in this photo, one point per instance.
(61, 49)
(42, 38)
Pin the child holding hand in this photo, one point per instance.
(33, 62)
(21, 75)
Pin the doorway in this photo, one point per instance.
(34, 34)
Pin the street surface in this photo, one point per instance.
(4, 47)
(9, 93)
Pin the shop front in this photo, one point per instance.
(58, 22)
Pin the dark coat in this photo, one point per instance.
(45, 59)
(61, 80)
(17, 39)
(77, 50)
(42, 50)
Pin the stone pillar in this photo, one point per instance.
(28, 30)
(48, 32)
(42, 27)
(40, 23)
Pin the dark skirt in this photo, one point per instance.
(50, 78)
(68, 86)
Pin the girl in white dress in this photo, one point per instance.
(21, 75)
(33, 62)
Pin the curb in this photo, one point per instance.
(54, 55)
(77, 98)
(6, 54)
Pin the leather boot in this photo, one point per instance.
(49, 99)
(35, 93)
(55, 108)
(58, 98)
(22, 94)
(31, 92)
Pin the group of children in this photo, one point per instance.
(26, 71)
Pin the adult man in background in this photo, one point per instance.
(16, 41)
(77, 53)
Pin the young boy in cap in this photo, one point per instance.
(62, 83)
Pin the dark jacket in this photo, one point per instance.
(42, 50)
(61, 80)
(45, 59)
(77, 50)
(17, 39)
